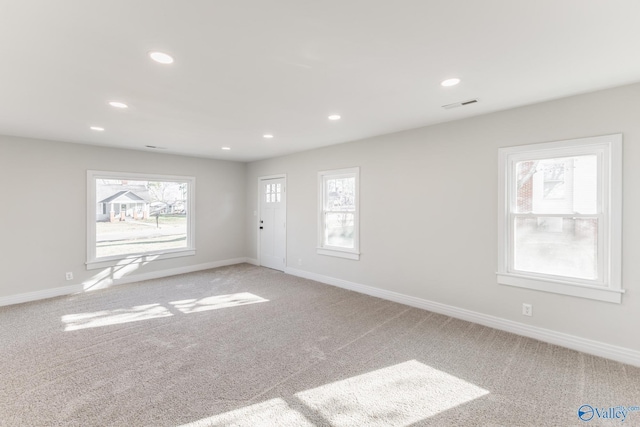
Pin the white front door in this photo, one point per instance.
(273, 223)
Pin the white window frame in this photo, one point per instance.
(93, 262)
(608, 284)
(323, 248)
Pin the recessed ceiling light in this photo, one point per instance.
(267, 136)
(161, 57)
(450, 82)
(118, 104)
(334, 117)
(97, 128)
(226, 148)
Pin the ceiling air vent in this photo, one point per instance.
(459, 104)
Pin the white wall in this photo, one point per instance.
(429, 212)
(43, 211)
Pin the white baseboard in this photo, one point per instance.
(108, 280)
(253, 261)
(38, 295)
(596, 348)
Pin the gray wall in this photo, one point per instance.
(428, 221)
(429, 212)
(43, 211)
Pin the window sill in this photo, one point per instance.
(560, 287)
(137, 259)
(339, 253)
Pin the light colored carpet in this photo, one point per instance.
(249, 346)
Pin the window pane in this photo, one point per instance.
(340, 194)
(554, 184)
(339, 228)
(564, 185)
(140, 216)
(557, 246)
(273, 193)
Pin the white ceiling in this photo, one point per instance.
(244, 68)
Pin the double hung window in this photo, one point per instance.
(338, 224)
(560, 217)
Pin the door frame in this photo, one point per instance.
(260, 201)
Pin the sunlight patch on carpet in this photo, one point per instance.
(216, 302)
(398, 395)
(274, 412)
(74, 322)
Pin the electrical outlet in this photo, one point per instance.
(69, 275)
(299, 261)
(527, 309)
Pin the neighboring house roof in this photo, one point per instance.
(122, 194)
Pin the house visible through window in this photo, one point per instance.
(553, 233)
(560, 217)
(338, 225)
(132, 215)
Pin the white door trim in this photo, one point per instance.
(257, 220)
